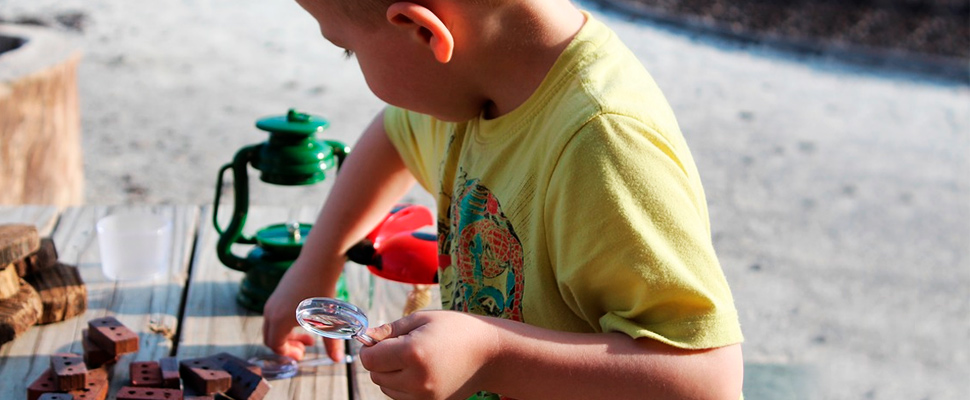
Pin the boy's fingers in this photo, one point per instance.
(335, 349)
(275, 335)
(394, 329)
(294, 350)
(390, 352)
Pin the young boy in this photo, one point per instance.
(572, 226)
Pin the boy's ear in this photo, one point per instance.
(425, 26)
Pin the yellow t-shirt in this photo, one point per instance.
(581, 210)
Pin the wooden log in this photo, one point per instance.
(45, 257)
(19, 313)
(17, 241)
(40, 123)
(9, 281)
(63, 294)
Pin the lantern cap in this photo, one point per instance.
(294, 122)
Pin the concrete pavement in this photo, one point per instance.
(839, 195)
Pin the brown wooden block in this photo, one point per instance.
(223, 358)
(95, 356)
(45, 257)
(138, 393)
(19, 312)
(170, 372)
(189, 394)
(62, 292)
(94, 391)
(9, 281)
(246, 385)
(113, 336)
(145, 374)
(56, 396)
(204, 376)
(70, 373)
(17, 241)
(97, 386)
(43, 384)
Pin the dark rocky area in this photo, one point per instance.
(932, 35)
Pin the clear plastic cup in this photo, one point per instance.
(134, 245)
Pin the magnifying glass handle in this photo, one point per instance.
(365, 340)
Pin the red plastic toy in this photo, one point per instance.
(397, 250)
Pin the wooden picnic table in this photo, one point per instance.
(189, 313)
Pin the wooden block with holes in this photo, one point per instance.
(17, 241)
(69, 370)
(44, 258)
(56, 396)
(96, 388)
(225, 358)
(204, 376)
(19, 312)
(62, 292)
(246, 385)
(95, 356)
(42, 385)
(169, 367)
(140, 393)
(111, 335)
(145, 374)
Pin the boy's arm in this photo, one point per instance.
(443, 354)
(369, 183)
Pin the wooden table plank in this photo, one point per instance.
(136, 304)
(215, 323)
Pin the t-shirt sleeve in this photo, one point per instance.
(411, 135)
(630, 241)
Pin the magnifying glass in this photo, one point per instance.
(323, 316)
(334, 319)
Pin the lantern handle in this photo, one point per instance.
(340, 151)
(233, 233)
(215, 207)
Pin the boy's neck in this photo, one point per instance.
(512, 50)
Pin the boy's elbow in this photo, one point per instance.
(727, 375)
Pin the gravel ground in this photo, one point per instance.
(839, 194)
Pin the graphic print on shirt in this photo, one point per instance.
(481, 263)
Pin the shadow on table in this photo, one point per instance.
(311, 365)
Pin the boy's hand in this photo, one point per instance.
(430, 355)
(279, 313)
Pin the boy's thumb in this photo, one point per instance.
(394, 329)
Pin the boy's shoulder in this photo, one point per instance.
(599, 76)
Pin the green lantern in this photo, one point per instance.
(294, 155)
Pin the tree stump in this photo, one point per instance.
(40, 124)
